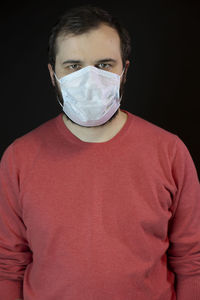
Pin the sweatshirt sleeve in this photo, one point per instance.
(184, 226)
(15, 254)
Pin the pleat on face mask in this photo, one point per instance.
(91, 96)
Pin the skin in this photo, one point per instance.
(92, 48)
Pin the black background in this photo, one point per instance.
(163, 83)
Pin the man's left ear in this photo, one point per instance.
(126, 69)
(51, 74)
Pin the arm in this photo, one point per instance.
(184, 227)
(14, 251)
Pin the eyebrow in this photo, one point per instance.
(107, 60)
(73, 61)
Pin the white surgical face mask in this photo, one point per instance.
(91, 96)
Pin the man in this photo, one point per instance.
(97, 204)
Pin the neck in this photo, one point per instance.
(97, 134)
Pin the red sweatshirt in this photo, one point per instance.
(118, 220)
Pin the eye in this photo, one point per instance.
(74, 67)
(104, 66)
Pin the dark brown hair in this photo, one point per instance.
(81, 19)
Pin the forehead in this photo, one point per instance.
(97, 43)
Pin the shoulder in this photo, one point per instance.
(28, 145)
(149, 131)
(146, 127)
(38, 135)
(154, 138)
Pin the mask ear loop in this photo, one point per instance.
(120, 84)
(122, 72)
(57, 95)
(60, 102)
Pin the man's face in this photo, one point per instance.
(99, 47)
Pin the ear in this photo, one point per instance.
(127, 64)
(51, 72)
